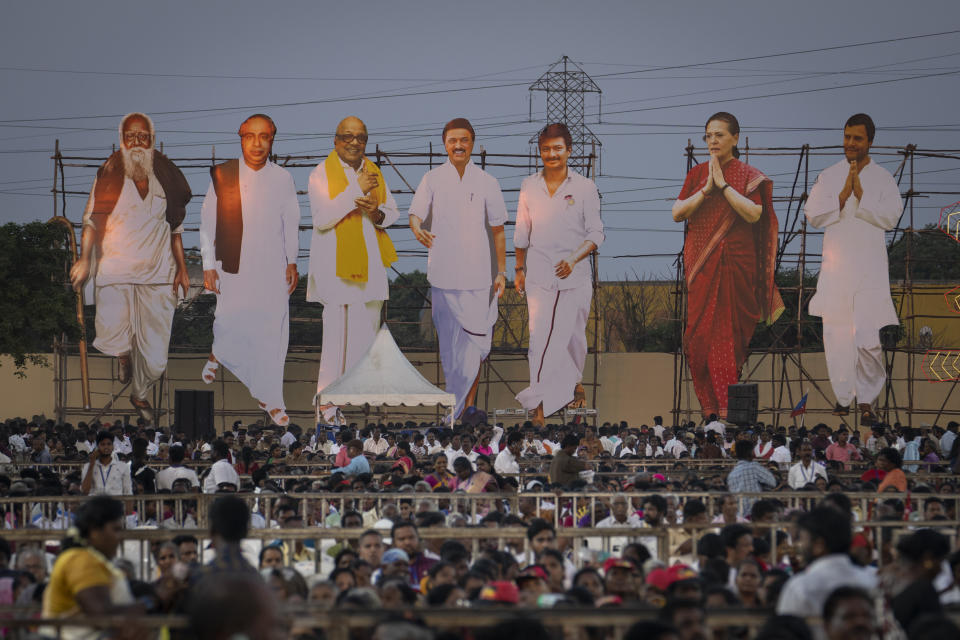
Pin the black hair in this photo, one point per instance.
(829, 525)
(556, 130)
(693, 507)
(892, 455)
(840, 594)
(400, 524)
(104, 435)
(650, 630)
(229, 518)
(538, 525)
(733, 532)
(458, 123)
(733, 126)
(657, 501)
(865, 120)
(743, 450)
(922, 543)
(176, 454)
(437, 596)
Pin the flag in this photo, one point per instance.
(800, 408)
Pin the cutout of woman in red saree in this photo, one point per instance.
(729, 257)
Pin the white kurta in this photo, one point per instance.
(251, 327)
(133, 277)
(551, 228)
(351, 310)
(853, 290)
(460, 267)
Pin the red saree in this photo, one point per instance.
(729, 265)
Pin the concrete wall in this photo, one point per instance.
(633, 387)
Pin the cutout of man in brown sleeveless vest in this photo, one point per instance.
(248, 240)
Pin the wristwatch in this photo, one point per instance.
(502, 273)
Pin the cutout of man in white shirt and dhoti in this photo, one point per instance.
(459, 201)
(855, 201)
(248, 240)
(133, 223)
(349, 251)
(558, 225)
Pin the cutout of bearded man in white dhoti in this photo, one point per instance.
(462, 201)
(131, 243)
(855, 201)
(248, 240)
(558, 225)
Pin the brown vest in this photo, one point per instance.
(226, 184)
(110, 178)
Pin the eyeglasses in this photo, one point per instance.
(349, 137)
(143, 138)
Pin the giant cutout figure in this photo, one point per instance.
(248, 241)
(558, 225)
(729, 256)
(462, 200)
(349, 250)
(855, 201)
(131, 244)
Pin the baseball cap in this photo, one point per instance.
(617, 563)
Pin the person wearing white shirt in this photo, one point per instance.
(249, 225)
(671, 442)
(506, 461)
(824, 540)
(619, 517)
(17, 442)
(352, 207)
(781, 452)
(433, 445)
(806, 470)
(558, 225)
(855, 201)
(375, 444)
(658, 426)
(221, 471)
(946, 441)
(714, 424)
(104, 475)
(288, 438)
(82, 444)
(176, 470)
(461, 201)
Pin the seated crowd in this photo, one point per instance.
(829, 558)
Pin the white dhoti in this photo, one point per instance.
(251, 331)
(851, 341)
(558, 345)
(136, 319)
(348, 332)
(464, 322)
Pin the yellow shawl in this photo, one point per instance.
(352, 257)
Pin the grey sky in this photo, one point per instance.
(308, 51)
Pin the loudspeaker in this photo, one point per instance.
(193, 413)
(742, 404)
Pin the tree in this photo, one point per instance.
(406, 302)
(37, 304)
(934, 255)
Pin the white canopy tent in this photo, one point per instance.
(384, 377)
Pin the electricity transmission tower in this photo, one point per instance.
(566, 86)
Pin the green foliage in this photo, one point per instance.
(37, 304)
(783, 333)
(933, 255)
(406, 302)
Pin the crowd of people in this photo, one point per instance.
(869, 566)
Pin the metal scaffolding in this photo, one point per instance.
(795, 254)
(106, 389)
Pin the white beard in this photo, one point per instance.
(137, 163)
